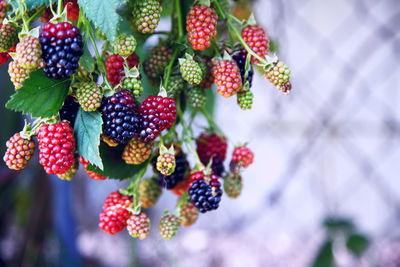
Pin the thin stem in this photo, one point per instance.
(59, 7)
(237, 33)
(180, 20)
(36, 14)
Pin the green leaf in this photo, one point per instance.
(103, 14)
(31, 4)
(357, 243)
(114, 166)
(39, 96)
(87, 60)
(324, 257)
(87, 132)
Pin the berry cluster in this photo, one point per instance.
(143, 116)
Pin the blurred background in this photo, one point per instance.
(324, 189)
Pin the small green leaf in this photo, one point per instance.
(324, 257)
(103, 14)
(114, 166)
(39, 96)
(357, 243)
(87, 60)
(87, 132)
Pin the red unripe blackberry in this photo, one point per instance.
(256, 38)
(92, 175)
(158, 113)
(62, 47)
(243, 156)
(201, 25)
(115, 67)
(139, 225)
(227, 77)
(4, 57)
(113, 218)
(19, 152)
(56, 147)
(210, 145)
(120, 117)
(72, 9)
(182, 187)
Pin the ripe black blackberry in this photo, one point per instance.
(170, 181)
(62, 47)
(204, 196)
(218, 166)
(240, 58)
(69, 110)
(121, 119)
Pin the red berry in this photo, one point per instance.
(201, 24)
(158, 113)
(56, 147)
(243, 155)
(3, 10)
(227, 77)
(91, 174)
(256, 38)
(72, 9)
(19, 152)
(115, 67)
(113, 218)
(4, 57)
(182, 187)
(211, 145)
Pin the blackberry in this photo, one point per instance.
(157, 113)
(190, 70)
(8, 37)
(69, 110)
(176, 84)
(147, 14)
(170, 181)
(204, 196)
(120, 117)
(197, 97)
(133, 84)
(217, 166)
(159, 58)
(62, 47)
(245, 99)
(240, 59)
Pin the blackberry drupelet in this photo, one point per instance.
(204, 196)
(62, 47)
(170, 181)
(121, 119)
(240, 59)
(69, 110)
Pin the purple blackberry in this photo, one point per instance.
(170, 181)
(69, 110)
(121, 119)
(62, 47)
(218, 166)
(204, 196)
(240, 58)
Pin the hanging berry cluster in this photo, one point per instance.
(100, 108)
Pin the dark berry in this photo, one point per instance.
(240, 58)
(120, 117)
(204, 196)
(62, 47)
(69, 110)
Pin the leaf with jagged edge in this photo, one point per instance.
(39, 96)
